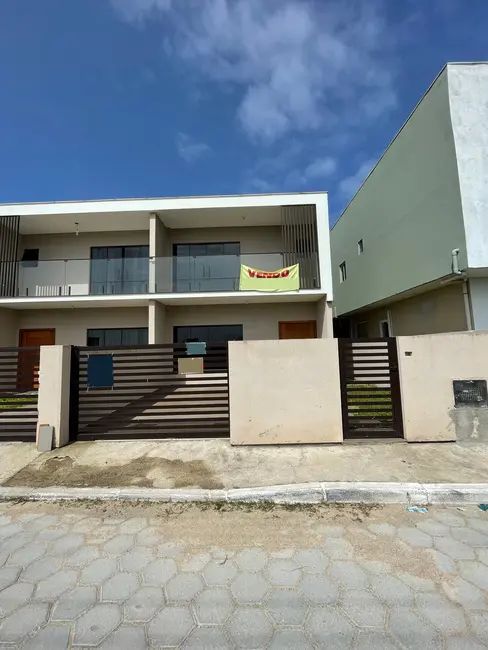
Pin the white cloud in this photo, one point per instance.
(190, 149)
(298, 64)
(137, 10)
(316, 172)
(350, 185)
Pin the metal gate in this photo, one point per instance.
(148, 398)
(370, 388)
(19, 370)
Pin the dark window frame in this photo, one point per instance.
(123, 256)
(179, 328)
(30, 258)
(233, 281)
(116, 329)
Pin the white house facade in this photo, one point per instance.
(129, 272)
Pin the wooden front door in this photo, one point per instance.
(306, 329)
(29, 359)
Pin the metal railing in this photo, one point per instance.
(168, 274)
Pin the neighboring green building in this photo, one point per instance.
(410, 251)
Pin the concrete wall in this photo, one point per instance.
(54, 391)
(432, 312)
(408, 212)
(259, 321)
(324, 319)
(71, 325)
(284, 392)
(9, 328)
(428, 365)
(64, 260)
(468, 96)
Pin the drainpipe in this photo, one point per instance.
(455, 262)
(456, 271)
(467, 306)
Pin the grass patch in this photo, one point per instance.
(365, 396)
(10, 403)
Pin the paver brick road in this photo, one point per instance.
(115, 577)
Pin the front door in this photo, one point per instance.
(29, 358)
(306, 329)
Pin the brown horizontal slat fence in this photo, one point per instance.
(149, 399)
(19, 370)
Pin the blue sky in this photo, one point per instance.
(126, 98)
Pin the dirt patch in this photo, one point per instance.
(65, 471)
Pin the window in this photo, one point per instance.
(119, 269)
(360, 247)
(342, 272)
(384, 328)
(30, 257)
(207, 333)
(361, 330)
(206, 267)
(121, 336)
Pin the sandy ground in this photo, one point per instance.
(215, 464)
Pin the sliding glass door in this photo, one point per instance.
(119, 269)
(206, 267)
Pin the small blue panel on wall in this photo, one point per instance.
(196, 348)
(100, 371)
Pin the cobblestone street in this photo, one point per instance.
(118, 576)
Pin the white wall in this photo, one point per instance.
(468, 94)
(478, 288)
(408, 212)
(64, 260)
(71, 325)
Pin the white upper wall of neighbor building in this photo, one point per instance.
(409, 211)
(468, 94)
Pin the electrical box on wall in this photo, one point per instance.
(470, 393)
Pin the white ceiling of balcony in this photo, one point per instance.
(222, 217)
(47, 224)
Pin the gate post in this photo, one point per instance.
(54, 391)
(74, 398)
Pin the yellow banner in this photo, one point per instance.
(287, 279)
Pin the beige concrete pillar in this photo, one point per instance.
(54, 390)
(159, 256)
(324, 319)
(157, 318)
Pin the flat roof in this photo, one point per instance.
(152, 204)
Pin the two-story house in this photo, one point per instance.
(410, 251)
(128, 272)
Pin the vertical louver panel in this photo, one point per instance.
(299, 234)
(9, 241)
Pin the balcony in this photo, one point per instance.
(143, 275)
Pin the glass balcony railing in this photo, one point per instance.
(179, 274)
(210, 273)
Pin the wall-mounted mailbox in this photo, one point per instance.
(470, 392)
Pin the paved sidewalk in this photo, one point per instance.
(215, 464)
(118, 576)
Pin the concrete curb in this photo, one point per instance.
(301, 493)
